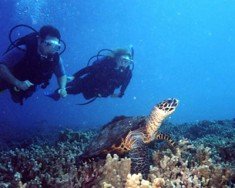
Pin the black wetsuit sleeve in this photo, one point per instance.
(125, 83)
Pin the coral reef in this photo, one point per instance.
(194, 131)
(191, 167)
(203, 161)
(43, 166)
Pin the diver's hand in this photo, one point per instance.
(23, 85)
(63, 92)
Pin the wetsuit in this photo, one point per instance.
(29, 65)
(98, 80)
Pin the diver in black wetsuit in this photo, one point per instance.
(102, 77)
(30, 61)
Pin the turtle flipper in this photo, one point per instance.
(140, 160)
(167, 138)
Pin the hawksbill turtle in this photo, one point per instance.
(131, 135)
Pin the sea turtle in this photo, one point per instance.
(131, 135)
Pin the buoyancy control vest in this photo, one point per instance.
(32, 67)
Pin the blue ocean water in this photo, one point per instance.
(183, 49)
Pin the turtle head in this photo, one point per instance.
(167, 107)
(158, 114)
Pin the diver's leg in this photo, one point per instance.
(74, 87)
(73, 90)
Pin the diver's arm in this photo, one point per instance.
(7, 76)
(60, 74)
(8, 61)
(62, 81)
(62, 85)
(61, 78)
(125, 83)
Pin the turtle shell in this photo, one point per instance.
(112, 133)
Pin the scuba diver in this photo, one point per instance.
(102, 77)
(30, 61)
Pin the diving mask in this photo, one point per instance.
(53, 45)
(125, 61)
